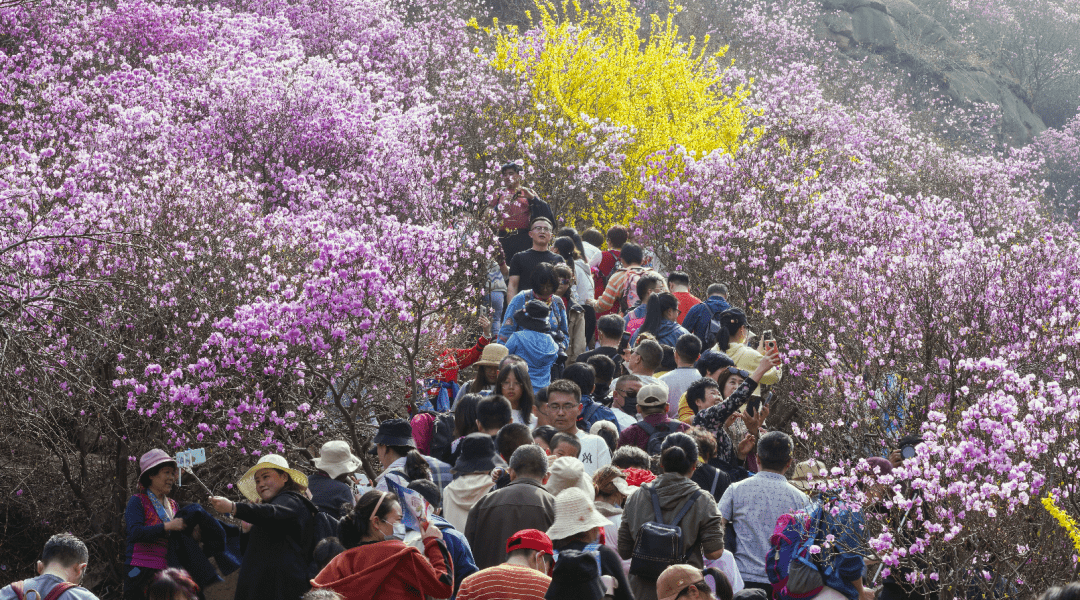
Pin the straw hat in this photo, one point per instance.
(269, 461)
(568, 472)
(806, 472)
(492, 355)
(574, 514)
(336, 458)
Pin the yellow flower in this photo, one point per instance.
(1067, 522)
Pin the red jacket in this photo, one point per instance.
(390, 570)
(454, 359)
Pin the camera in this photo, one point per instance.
(907, 451)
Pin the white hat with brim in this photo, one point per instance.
(807, 476)
(574, 514)
(336, 458)
(269, 461)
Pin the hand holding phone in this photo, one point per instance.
(769, 341)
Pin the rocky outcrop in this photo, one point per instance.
(907, 38)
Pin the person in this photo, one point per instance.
(567, 472)
(719, 417)
(591, 412)
(685, 581)
(524, 503)
(643, 361)
(325, 551)
(1064, 592)
(610, 259)
(545, 283)
(593, 240)
(525, 263)
(611, 329)
(63, 563)
(456, 544)
(624, 400)
(542, 437)
(563, 409)
(510, 438)
(687, 351)
(472, 478)
(150, 519)
(709, 477)
(702, 530)
(514, 384)
(275, 564)
(630, 457)
(563, 444)
(621, 290)
(524, 575)
(492, 413)
(611, 491)
(679, 285)
(577, 527)
(515, 208)
(604, 368)
(753, 505)
(711, 364)
(661, 320)
(607, 430)
(378, 564)
(575, 312)
(487, 371)
(533, 341)
(808, 477)
(172, 584)
(731, 339)
(576, 576)
(698, 319)
(655, 424)
(330, 486)
(647, 285)
(440, 397)
(464, 422)
(395, 447)
(702, 394)
(583, 278)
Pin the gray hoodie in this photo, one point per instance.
(701, 527)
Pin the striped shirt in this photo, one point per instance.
(505, 582)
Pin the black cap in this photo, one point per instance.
(395, 432)
(477, 454)
(576, 575)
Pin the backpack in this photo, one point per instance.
(656, 436)
(793, 570)
(585, 418)
(714, 329)
(660, 544)
(442, 436)
(57, 590)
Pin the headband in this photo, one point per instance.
(375, 512)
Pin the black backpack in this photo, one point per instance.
(660, 544)
(442, 436)
(656, 436)
(714, 328)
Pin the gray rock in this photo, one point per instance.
(851, 5)
(874, 28)
(1018, 124)
(839, 23)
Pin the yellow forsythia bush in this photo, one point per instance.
(596, 66)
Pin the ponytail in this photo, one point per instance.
(679, 454)
(723, 585)
(731, 320)
(416, 467)
(357, 524)
(659, 303)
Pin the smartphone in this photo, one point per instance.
(770, 341)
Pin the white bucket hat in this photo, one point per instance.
(574, 514)
(269, 461)
(336, 458)
(568, 472)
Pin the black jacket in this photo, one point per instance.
(330, 495)
(275, 565)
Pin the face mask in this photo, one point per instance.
(399, 531)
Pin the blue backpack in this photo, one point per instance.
(795, 572)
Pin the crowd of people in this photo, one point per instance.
(613, 442)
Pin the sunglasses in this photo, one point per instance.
(564, 281)
(739, 372)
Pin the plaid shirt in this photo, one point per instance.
(440, 473)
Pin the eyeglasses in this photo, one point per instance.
(564, 282)
(739, 372)
(542, 229)
(558, 408)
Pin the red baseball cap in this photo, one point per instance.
(530, 539)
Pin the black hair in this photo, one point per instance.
(493, 412)
(511, 437)
(536, 220)
(565, 248)
(731, 320)
(570, 232)
(65, 549)
(480, 381)
(292, 486)
(688, 347)
(631, 457)
(667, 361)
(512, 165)
(583, 375)
(678, 277)
(603, 366)
(657, 306)
(1066, 592)
(650, 352)
(465, 415)
(560, 437)
(144, 479)
(617, 236)
(706, 442)
(679, 453)
(611, 326)
(546, 433)
(327, 549)
(711, 361)
(528, 398)
(357, 523)
(696, 392)
(170, 583)
(632, 254)
(717, 289)
(544, 279)
(646, 283)
(593, 236)
(415, 465)
(609, 436)
(429, 490)
(722, 380)
(723, 586)
(774, 450)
